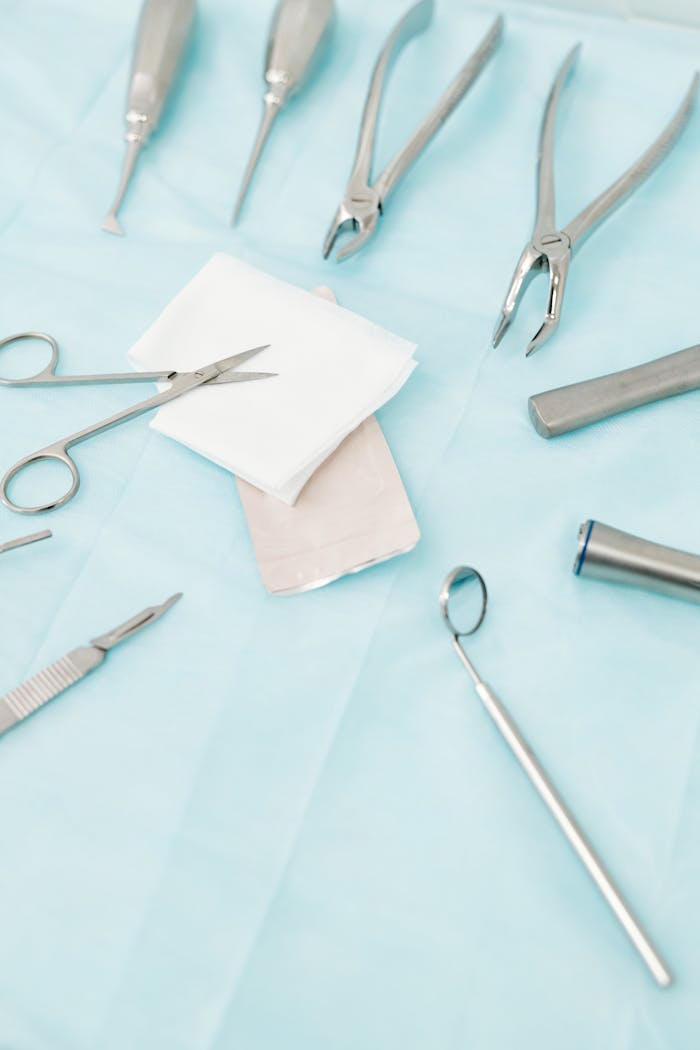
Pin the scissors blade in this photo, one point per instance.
(227, 364)
(240, 377)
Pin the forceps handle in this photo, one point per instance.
(621, 189)
(568, 408)
(415, 21)
(546, 220)
(573, 833)
(440, 112)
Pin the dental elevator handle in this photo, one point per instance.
(163, 29)
(298, 32)
(568, 408)
(573, 833)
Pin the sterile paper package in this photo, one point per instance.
(352, 514)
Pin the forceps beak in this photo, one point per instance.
(345, 221)
(558, 271)
(529, 264)
(556, 255)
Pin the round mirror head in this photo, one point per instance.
(463, 601)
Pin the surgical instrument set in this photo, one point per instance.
(364, 201)
(299, 33)
(552, 248)
(465, 577)
(27, 698)
(25, 541)
(218, 372)
(163, 30)
(609, 554)
(568, 408)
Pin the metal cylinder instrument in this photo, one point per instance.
(608, 554)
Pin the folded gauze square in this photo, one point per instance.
(334, 370)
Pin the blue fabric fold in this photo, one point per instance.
(274, 822)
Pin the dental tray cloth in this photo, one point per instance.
(284, 823)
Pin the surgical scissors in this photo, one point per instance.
(363, 203)
(461, 577)
(552, 248)
(218, 372)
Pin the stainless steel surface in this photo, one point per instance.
(223, 371)
(299, 32)
(551, 248)
(24, 541)
(543, 785)
(363, 202)
(27, 698)
(608, 554)
(134, 624)
(568, 408)
(163, 30)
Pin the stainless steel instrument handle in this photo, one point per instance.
(546, 218)
(59, 451)
(575, 836)
(614, 196)
(441, 111)
(415, 21)
(298, 32)
(163, 29)
(47, 375)
(571, 407)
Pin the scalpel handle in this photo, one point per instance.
(22, 702)
(569, 408)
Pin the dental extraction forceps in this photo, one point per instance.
(363, 203)
(218, 372)
(458, 578)
(551, 248)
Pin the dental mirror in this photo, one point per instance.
(463, 602)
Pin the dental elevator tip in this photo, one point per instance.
(133, 148)
(111, 225)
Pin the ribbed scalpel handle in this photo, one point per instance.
(27, 698)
